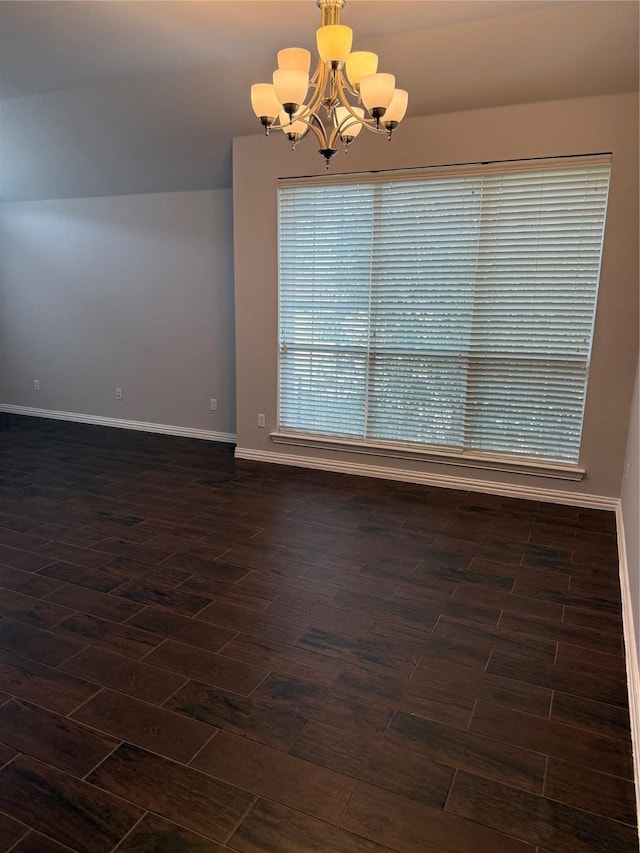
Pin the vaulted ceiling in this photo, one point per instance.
(103, 97)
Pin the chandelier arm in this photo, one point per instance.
(343, 85)
(313, 80)
(369, 123)
(318, 128)
(316, 99)
(319, 131)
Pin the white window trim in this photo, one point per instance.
(450, 171)
(437, 455)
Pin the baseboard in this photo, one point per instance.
(120, 423)
(630, 651)
(428, 479)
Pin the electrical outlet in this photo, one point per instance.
(118, 393)
(260, 420)
(214, 404)
(36, 384)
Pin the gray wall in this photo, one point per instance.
(123, 291)
(589, 125)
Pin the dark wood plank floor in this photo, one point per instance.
(199, 654)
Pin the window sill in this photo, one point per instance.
(488, 462)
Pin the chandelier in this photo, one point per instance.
(343, 86)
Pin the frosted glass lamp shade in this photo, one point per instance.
(351, 128)
(398, 106)
(264, 100)
(334, 42)
(360, 64)
(376, 91)
(294, 59)
(290, 85)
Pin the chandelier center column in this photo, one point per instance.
(330, 10)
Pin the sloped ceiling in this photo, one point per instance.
(103, 97)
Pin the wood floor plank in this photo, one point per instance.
(323, 615)
(500, 576)
(43, 685)
(510, 602)
(375, 651)
(467, 681)
(302, 785)
(410, 827)
(6, 753)
(550, 824)
(562, 632)
(135, 678)
(559, 676)
(207, 667)
(10, 832)
(260, 624)
(111, 636)
(121, 548)
(468, 751)
(147, 590)
(250, 593)
(128, 568)
(27, 583)
(35, 643)
(590, 790)
(73, 554)
(271, 826)
(25, 560)
(174, 626)
(601, 664)
(214, 567)
(30, 610)
(609, 720)
(157, 729)
(155, 835)
(600, 614)
(426, 644)
(103, 579)
(246, 717)
(283, 659)
(409, 695)
(35, 842)
(339, 580)
(408, 773)
(552, 738)
(407, 611)
(39, 796)
(322, 704)
(52, 738)
(180, 794)
(94, 603)
(488, 638)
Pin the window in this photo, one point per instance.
(451, 310)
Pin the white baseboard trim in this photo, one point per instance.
(120, 423)
(444, 481)
(630, 651)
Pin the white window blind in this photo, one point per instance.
(446, 310)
